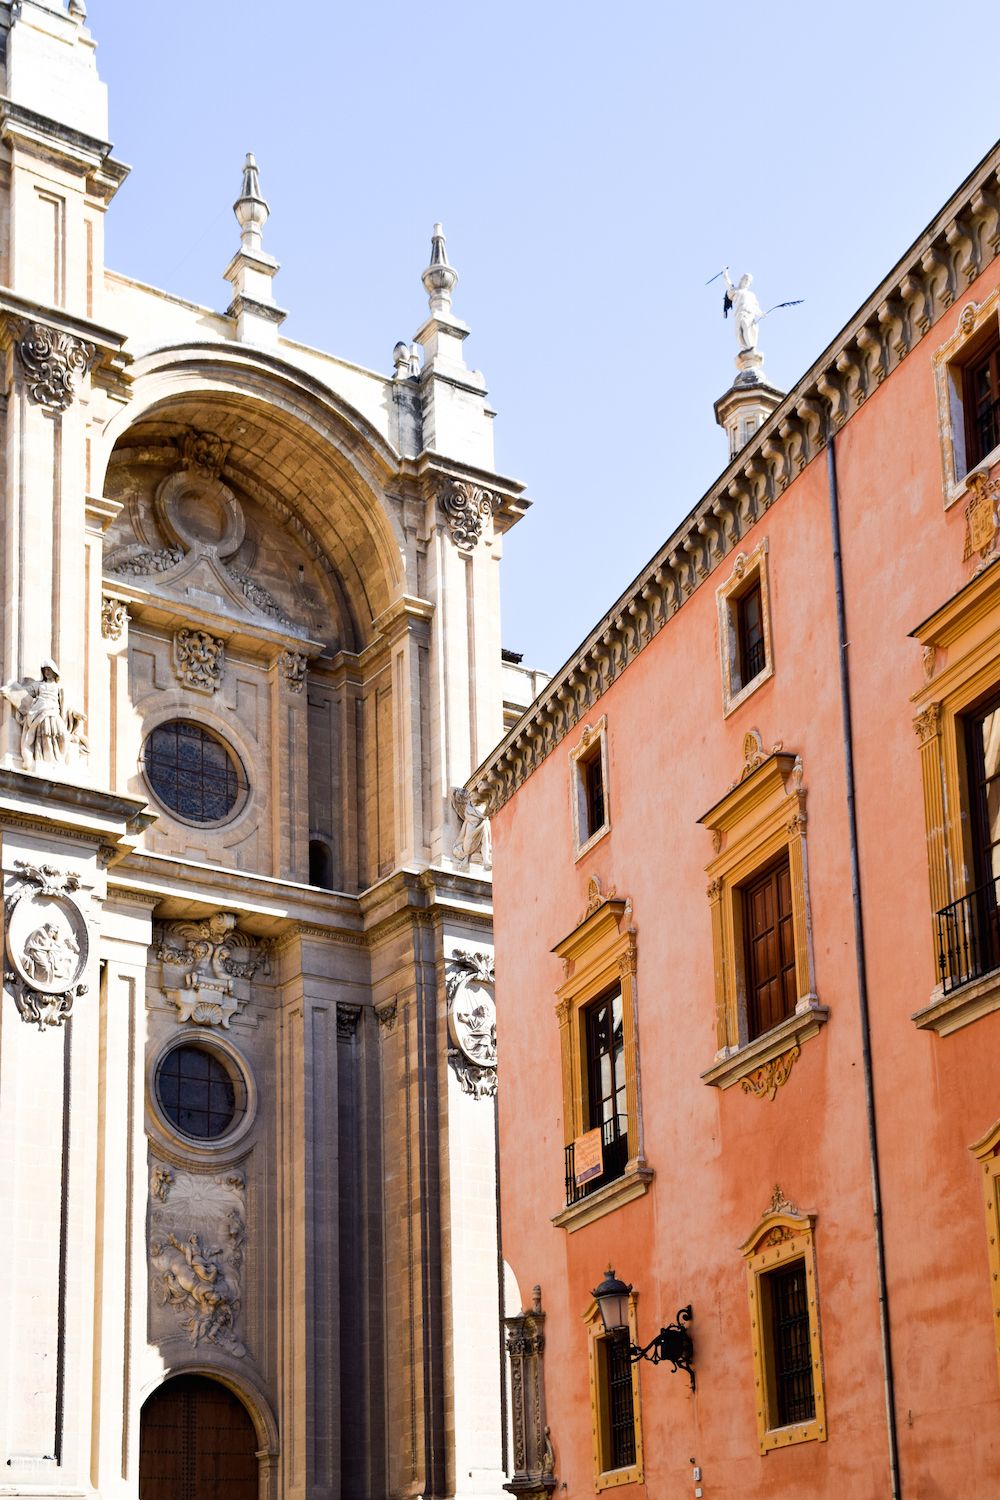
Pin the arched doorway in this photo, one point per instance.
(196, 1442)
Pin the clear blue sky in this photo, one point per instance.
(593, 165)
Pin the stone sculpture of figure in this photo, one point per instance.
(49, 955)
(475, 835)
(49, 730)
(746, 310)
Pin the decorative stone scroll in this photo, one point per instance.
(114, 619)
(54, 364)
(466, 507)
(765, 1081)
(211, 964)
(472, 1022)
(199, 660)
(197, 1233)
(534, 1457)
(46, 943)
(293, 665)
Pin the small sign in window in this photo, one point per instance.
(588, 1157)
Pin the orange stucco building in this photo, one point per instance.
(748, 953)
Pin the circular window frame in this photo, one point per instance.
(244, 789)
(241, 1075)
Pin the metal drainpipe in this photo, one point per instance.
(862, 971)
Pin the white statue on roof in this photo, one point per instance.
(746, 309)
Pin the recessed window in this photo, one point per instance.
(614, 1403)
(589, 773)
(320, 864)
(621, 1412)
(607, 1108)
(193, 773)
(787, 1301)
(745, 628)
(770, 949)
(198, 1094)
(981, 392)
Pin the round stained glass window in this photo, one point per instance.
(192, 772)
(198, 1094)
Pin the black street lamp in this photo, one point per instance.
(672, 1343)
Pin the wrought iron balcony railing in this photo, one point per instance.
(968, 937)
(614, 1155)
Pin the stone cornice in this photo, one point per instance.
(934, 274)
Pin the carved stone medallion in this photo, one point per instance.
(47, 944)
(472, 1022)
(197, 1233)
(207, 967)
(199, 660)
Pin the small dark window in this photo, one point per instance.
(197, 1093)
(750, 634)
(320, 864)
(606, 1106)
(192, 772)
(592, 772)
(791, 1350)
(621, 1416)
(769, 949)
(981, 400)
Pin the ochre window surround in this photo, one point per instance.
(749, 573)
(961, 653)
(588, 761)
(978, 326)
(987, 1153)
(598, 956)
(606, 1477)
(783, 1238)
(759, 823)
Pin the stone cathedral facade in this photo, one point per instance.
(250, 650)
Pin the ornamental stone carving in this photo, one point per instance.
(292, 665)
(52, 735)
(982, 528)
(474, 838)
(114, 619)
(472, 1022)
(207, 968)
(256, 594)
(199, 660)
(534, 1457)
(204, 452)
(53, 363)
(135, 561)
(197, 1233)
(466, 507)
(765, 1081)
(46, 943)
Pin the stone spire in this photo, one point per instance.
(443, 335)
(251, 272)
(440, 279)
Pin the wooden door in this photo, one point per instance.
(196, 1442)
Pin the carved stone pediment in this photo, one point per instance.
(197, 1233)
(47, 944)
(207, 968)
(472, 1022)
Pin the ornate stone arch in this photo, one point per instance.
(325, 447)
(243, 1386)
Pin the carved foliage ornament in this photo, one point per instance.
(292, 665)
(466, 507)
(47, 943)
(54, 364)
(472, 1022)
(114, 619)
(197, 1232)
(765, 1081)
(207, 968)
(199, 660)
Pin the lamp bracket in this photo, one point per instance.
(673, 1344)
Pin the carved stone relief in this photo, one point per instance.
(51, 731)
(207, 968)
(114, 619)
(982, 528)
(534, 1457)
(199, 660)
(47, 943)
(466, 506)
(765, 1081)
(292, 665)
(474, 839)
(472, 1022)
(53, 363)
(136, 561)
(197, 1233)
